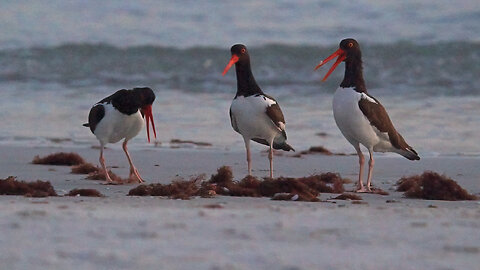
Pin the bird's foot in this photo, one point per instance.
(135, 179)
(111, 182)
(363, 190)
(135, 176)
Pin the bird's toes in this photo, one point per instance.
(362, 190)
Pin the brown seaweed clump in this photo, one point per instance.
(84, 168)
(79, 166)
(379, 191)
(100, 175)
(326, 182)
(348, 196)
(223, 176)
(306, 188)
(318, 150)
(222, 183)
(178, 189)
(178, 141)
(85, 192)
(288, 189)
(11, 186)
(61, 159)
(314, 150)
(432, 186)
(247, 187)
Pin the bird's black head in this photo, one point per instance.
(350, 46)
(144, 96)
(239, 57)
(246, 84)
(349, 52)
(240, 50)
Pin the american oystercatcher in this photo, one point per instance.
(359, 116)
(120, 116)
(253, 114)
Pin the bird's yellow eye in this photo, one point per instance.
(243, 50)
(350, 45)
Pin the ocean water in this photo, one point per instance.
(421, 60)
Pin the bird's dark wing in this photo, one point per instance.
(123, 101)
(378, 118)
(95, 116)
(275, 114)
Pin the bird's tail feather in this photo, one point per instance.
(284, 146)
(409, 153)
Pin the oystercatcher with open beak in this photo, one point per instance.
(120, 116)
(359, 116)
(253, 114)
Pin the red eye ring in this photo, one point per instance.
(350, 45)
(243, 50)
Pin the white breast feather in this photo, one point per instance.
(251, 118)
(116, 126)
(350, 119)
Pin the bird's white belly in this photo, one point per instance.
(350, 120)
(116, 126)
(251, 118)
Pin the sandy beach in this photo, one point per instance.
(124, 232)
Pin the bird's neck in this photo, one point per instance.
(354, 74)
(246, 84)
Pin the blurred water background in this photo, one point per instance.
(57, 58)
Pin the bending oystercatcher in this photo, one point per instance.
(253, 114)
(120, 116)
(359, 116)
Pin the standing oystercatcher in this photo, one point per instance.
(120, 116)
(253, 114)
(359, 116)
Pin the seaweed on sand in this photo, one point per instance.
(60, 159)
(84, 168)
(11, 186)
(432, 186)
(178, 189)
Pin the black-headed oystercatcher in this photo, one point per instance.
(253, 114)
(359, 116)
(120, 116)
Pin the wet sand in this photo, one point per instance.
(120, 232)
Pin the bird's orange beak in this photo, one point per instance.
(147, 112)
(341, 56)
(233, 60)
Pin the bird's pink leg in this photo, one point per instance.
(361, 161)
(134, 175)
(371, 162)
(270, 158)
(102, 163)
(249, 159)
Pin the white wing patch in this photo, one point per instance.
(365, 96)
(269, 101)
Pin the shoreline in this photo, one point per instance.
(163, 166)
